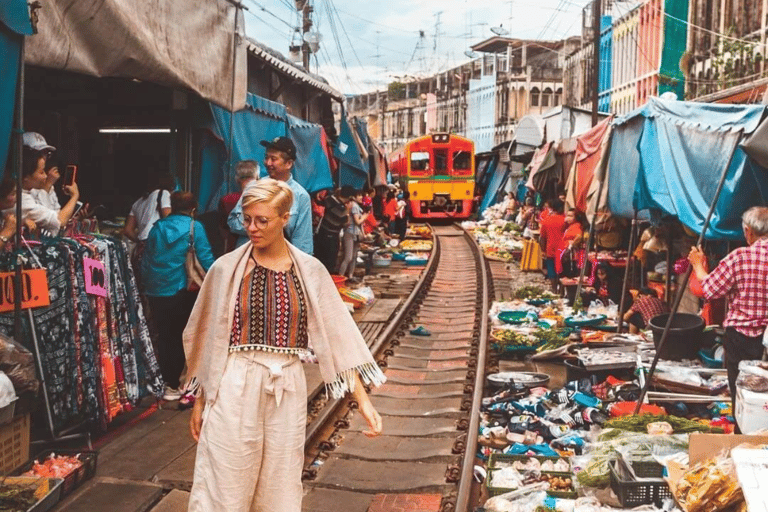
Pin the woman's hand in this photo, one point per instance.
(72, 190)
(367, 409)
(9, 226)
(196, 420)
(31, 226)
(371, 416)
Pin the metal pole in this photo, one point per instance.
(49, 413)
(683, 284)
(625, 284)
(232, 102)
(596, 15)
(19, 132)
(589, 240)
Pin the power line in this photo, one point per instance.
(267, 11)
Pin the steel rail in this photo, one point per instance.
(468, 464)
(394, 324)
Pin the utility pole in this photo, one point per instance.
(596, 15)
(306, 27)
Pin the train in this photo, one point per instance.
(438, 171)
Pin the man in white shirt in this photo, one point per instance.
(46, 196)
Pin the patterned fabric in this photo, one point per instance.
(649, 307)
(270, 313)
(96, 356)
(742, 278)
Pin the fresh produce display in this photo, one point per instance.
(55, 466)
(508, 337)
(533, 292)
(551, 339)
(640, 424)
(19, 494)
(419, 231)
(416, 245)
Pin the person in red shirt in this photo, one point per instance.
(390, 210)
(551, 239)
(646, 306)
(245, 172)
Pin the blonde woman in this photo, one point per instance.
(259, 308)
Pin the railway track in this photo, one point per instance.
(425, 456)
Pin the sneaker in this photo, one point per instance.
(170, 394)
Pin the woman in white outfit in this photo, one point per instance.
(259, 308)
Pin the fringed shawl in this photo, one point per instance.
(333, 334)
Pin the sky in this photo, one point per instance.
(367, 44)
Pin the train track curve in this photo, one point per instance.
(429, 404)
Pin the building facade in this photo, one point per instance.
(483, 99)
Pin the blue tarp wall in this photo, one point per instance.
(668, 156)
(260, 120)
(352, 170)
(14, 25)
(499, 175)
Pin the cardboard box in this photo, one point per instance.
(707, 446)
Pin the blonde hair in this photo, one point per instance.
(267, 190)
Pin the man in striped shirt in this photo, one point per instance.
(742, 278)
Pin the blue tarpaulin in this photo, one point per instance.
(312, 168)
(499, 175)
(14, 25)
(352, 170)
(260, 120)
(668, 156)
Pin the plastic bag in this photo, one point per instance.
(7, 393)
(709, 487)
(752, 397)
(18, 364)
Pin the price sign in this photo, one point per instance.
(95, 280)
(34, 290)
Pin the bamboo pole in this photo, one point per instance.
(625, 284)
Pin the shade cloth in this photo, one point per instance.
(262, 119)
(352, 170)
(181, 44)
(14, 25)
(590, 149)
(682, 150)
(544, 168)
(496, 186)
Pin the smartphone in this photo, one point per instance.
(70, 175)
(78, 207)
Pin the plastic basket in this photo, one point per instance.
(14, 444)
(76, 478)
(499, 460)
(51, 498)
(633, 493)
(645, 468)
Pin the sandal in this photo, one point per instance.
(421, 331)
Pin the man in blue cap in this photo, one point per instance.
(279, 160)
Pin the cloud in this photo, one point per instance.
(382, 39)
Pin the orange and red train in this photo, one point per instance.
(438, 171)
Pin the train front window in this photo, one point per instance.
(420, 161)
(441, 162)
(462, 161)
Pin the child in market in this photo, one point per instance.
(646, 306)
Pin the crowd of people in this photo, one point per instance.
(162, 225)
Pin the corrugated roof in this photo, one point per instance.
(276, 60)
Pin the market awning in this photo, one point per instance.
(353, 171)
(591, 148)
(312, 169)
(499, 175)
(544, 168)
(167, 42)
(262, 120)
(14, 25)
(682, 150)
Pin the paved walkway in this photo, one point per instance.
(146, 461)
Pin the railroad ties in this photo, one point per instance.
(426, 403)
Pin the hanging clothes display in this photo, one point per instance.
(95, 352)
